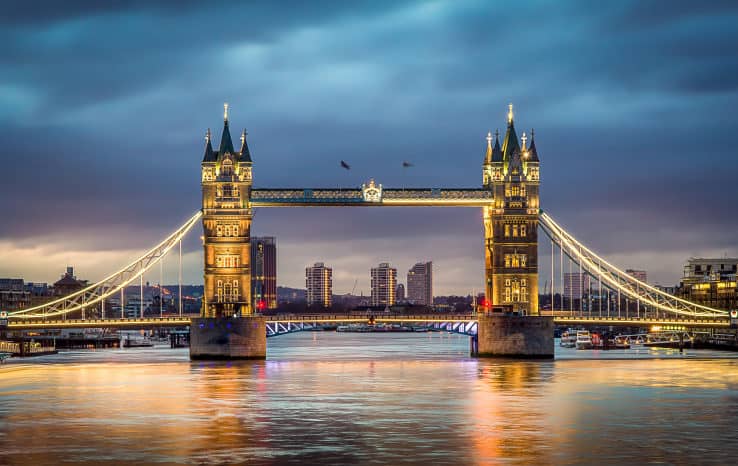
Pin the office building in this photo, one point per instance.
(710, 282)
(576, 285)
(400, 293)
(319, 284)
(420, 284)
(384, 285)
(639, 275)
(264, 272)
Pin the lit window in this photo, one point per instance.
(507, 293)
(524, 294)
(235, 230)
(507, 260)
(219, 230)
(515, 231)
(522, 230)
(523, 260)
(507, 230)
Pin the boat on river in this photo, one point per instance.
(584, 340)
(568, 339)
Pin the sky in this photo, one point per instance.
(104, 108)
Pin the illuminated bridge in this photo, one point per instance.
(512, 221)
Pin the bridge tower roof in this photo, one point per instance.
(226, 144)
(510, 143)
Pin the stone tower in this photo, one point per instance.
(511, 172)
(226, 222)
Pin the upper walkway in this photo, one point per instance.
(372, 195)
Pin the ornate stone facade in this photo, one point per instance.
(226, 221)
(512, 174)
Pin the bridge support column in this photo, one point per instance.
(504, 335)
(228, 338)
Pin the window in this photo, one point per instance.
(523, 282)
(522, 191)
(522, 230)
(515, 231)
(507, 282)
(515, 291)
(235, 290)
(507, 231)
(507, 293)
(219, 230)
(523, 261)
(220, 291)
(515, 191)
(524, 294)
(227, 260)
(235, 230)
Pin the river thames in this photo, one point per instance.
(332, 398)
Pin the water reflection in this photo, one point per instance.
(362, 399)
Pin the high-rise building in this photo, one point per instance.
(384, 285)
(400, 293)
(264, 272)
(319, 284)
(420, 284)
(576, 285)
(226, 222)
(511, 173)
(638, 274)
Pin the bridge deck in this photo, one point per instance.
(151, 322)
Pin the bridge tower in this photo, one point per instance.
(226, 192)
(511, 172)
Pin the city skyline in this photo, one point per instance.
(631, 162)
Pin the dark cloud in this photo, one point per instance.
(103, 106)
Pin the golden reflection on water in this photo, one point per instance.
(313, 402)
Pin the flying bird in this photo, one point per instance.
(345, 165)
(406, 164)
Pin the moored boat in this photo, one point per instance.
(584, 340)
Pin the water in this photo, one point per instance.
(325, 397)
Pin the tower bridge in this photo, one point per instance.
(512, 218)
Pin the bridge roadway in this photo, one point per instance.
(561, 318)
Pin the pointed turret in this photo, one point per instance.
(245, 153)
(496, 151)
(510, 144)
(488, 154)
(532, 152)
(209, 154)
(226, 145)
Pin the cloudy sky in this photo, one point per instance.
(104, 105)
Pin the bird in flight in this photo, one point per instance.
(345, 165)
(406, 164)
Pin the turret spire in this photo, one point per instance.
(510, 114)
(225, 111)
(245, 153)
(532, 152)
(209, 155)
(496, 151)
(488, 154)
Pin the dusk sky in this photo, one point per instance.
(104, 108)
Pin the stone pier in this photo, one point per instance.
(228, 338)
(511, 336)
